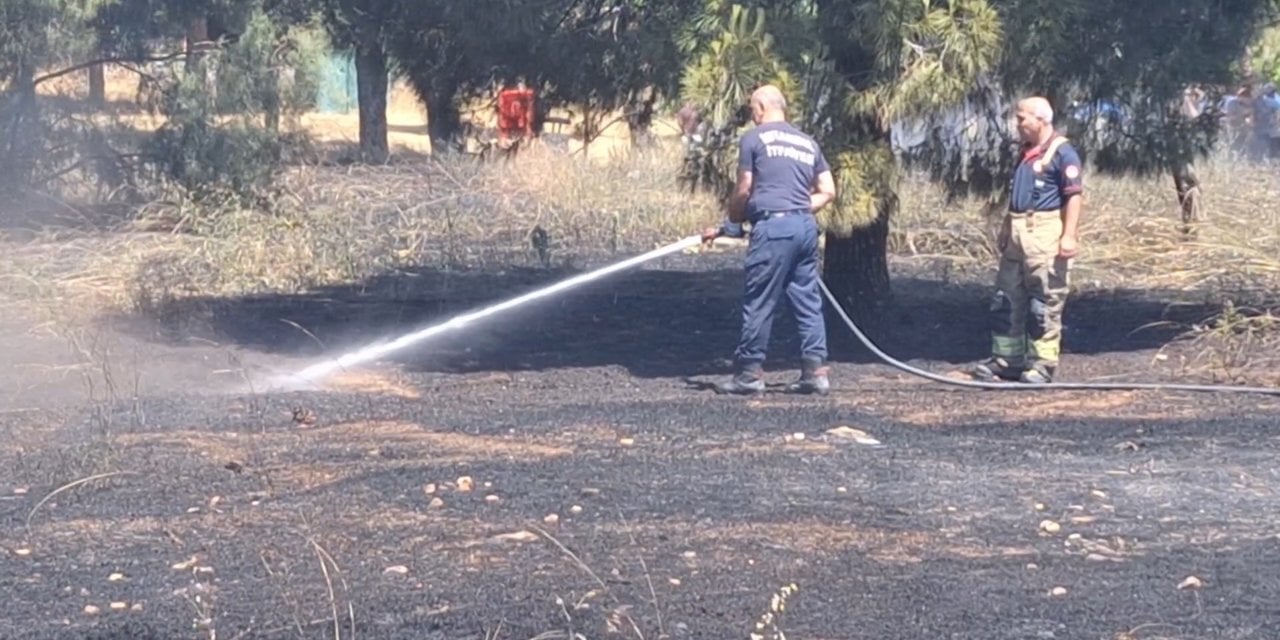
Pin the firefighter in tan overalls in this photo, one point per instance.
(1038, 240)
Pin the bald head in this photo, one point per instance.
(770, 96)
(1038, 107)
(1035, 119)
(768, 104)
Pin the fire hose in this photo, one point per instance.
(1020, 386)
(372, 352)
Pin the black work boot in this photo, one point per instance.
(1039, 373)
(813, 379)
(748, 381)
(996, 368)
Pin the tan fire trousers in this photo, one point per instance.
(1031, 291)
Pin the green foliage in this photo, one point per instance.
(927, 55)
(243, 65)
(213, 144)
(44, 34)
(733, 53)
(1102, 48)
(352, 21)
(1139, 53)
(906, 59)
(597, 55)
(957, 65)
(306, 50)
(1264, 54)
(617, 55)
(130, 28)
(732, 49)
(865, 175)
(24, 37)
(850, 70)
(272, 66)
(36, 142)
(225, 159)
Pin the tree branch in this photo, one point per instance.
(111, 60)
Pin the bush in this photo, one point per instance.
(222, 137)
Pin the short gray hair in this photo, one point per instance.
(1043, 112)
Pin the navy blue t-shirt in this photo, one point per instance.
(784, 163)
(1047, 190)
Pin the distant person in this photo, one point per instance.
(1266, 123)
(783, 180)
(1237, 112)
(1193, 102)
(689, 120)
(1038, 239)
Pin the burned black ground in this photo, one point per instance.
(677, 320)
(691, 509)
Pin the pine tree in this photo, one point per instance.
(944, 61)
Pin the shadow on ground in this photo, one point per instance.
(654, 323)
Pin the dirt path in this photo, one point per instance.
(418, 494)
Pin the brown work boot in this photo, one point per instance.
(813, 379)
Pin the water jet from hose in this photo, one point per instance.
(318, 372)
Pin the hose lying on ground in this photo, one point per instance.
(1018, 386)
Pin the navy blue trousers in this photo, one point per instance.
(782, 258)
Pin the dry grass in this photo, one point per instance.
(1130, 231)
(340, 225)
(1075, 405)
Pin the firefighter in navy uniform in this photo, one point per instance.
(783, 180)
(1038, 240)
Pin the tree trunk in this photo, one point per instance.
(640, 121)
(371, 87)
(588, 129)
(271, 98)
(197, 35)
(539, 121)
(20, 131)
(97, 86)
(197, 56)
(444, 122)
(856, 269)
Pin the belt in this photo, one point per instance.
(770, 215)
(1028, 214)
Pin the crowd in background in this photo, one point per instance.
(1250, 118)
(1252, 122)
